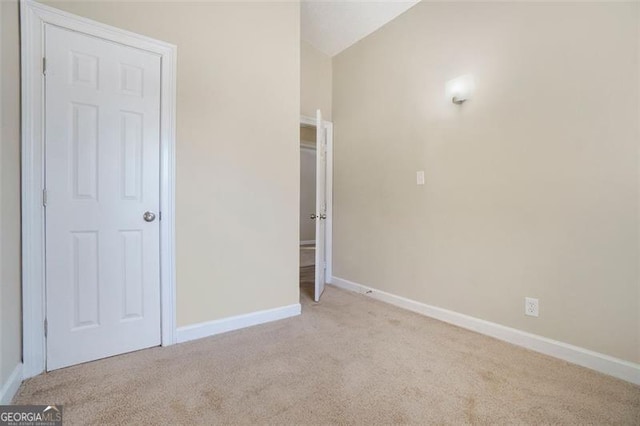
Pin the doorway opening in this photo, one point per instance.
(308, 154)
(58, 309)
(316, 165)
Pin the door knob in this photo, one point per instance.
(313, 216)
(322, 216)
(149, 216)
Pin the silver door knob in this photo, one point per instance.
(149, 216)
(313, 216)
(322, 216)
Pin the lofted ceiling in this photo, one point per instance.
(332, 26)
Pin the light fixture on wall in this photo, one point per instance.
(460, 88)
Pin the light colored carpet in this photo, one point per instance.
(348, 359)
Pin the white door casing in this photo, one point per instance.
(34, 17)
(321, 206)
(102, 173)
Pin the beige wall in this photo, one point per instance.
(237, 182)
(532, 187)
(315, 92)
(3, 377)
(315, 81)
(10, 301)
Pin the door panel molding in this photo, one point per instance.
(33, 18)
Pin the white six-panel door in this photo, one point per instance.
(102, 113)
(321, 206)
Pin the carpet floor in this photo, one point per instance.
(347, 359)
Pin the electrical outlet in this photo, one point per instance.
(531, 307)
(420, 177)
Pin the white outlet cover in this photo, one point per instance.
(531, 307)
(420, 177)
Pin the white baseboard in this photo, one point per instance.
(211, 328)
(10, 387)
(307, 242)
(606, 364)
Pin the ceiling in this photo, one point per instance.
(332, 26)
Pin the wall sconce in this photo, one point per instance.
(460, 88)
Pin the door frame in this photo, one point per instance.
(328, 125)
(33, 17)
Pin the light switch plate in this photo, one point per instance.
(420, 178)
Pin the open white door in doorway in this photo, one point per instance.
(321, 206)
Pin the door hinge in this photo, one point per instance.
(44, 66)
(44, 197)
(46, 327)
